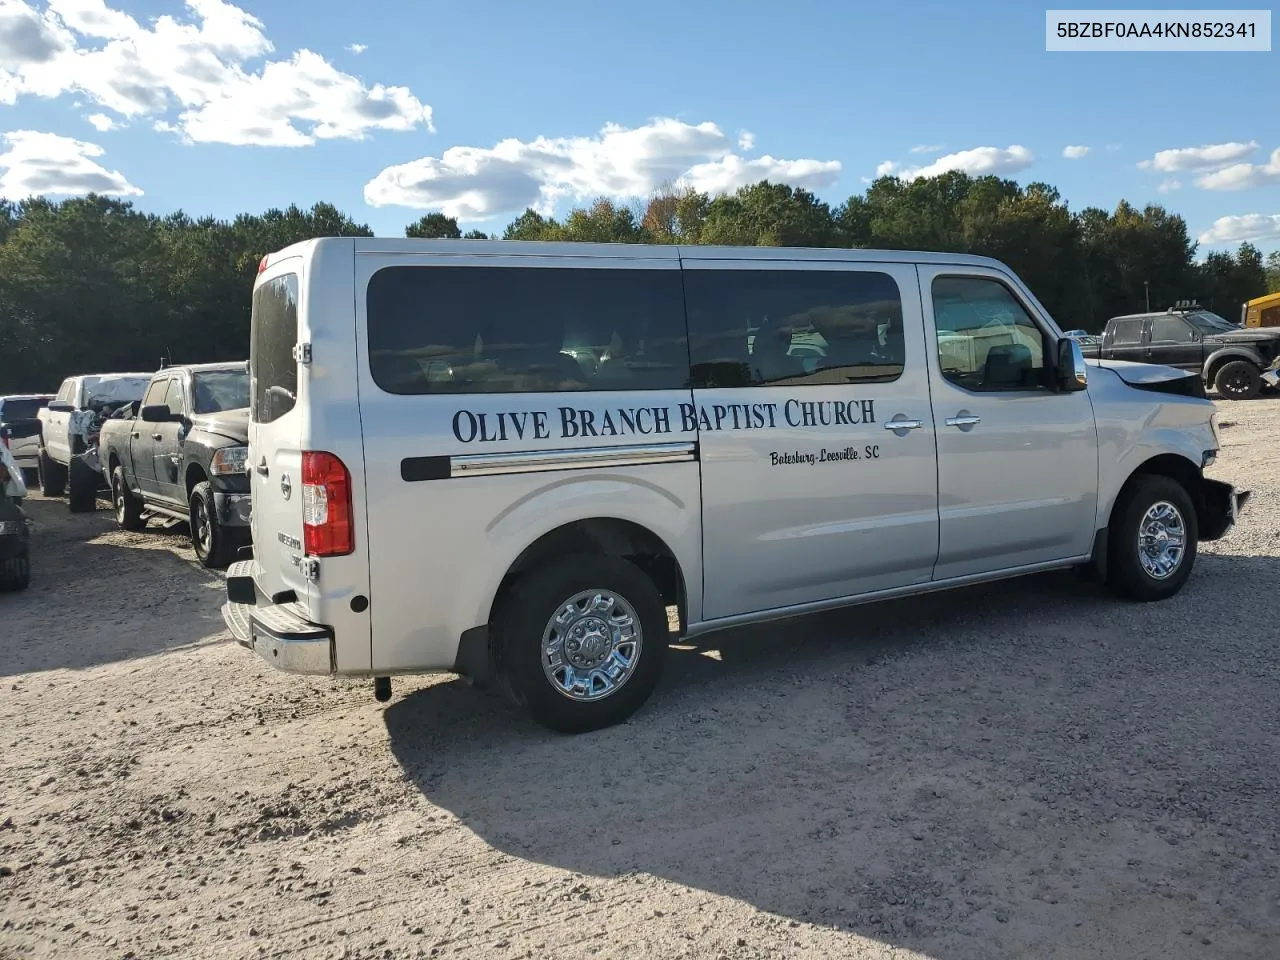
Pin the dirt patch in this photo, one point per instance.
(1025, 770)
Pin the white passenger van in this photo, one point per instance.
(538, 463)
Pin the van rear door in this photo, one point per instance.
(275, 432)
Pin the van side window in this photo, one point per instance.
(986, 340)
(273, 333)
(448, 329)
(753, 327)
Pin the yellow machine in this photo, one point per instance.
(1262, 311)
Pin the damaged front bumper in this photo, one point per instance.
(275, 631)
(1220, 507)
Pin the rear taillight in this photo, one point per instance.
(328, 529)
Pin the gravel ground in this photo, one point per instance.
(1025, 770)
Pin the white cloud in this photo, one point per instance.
(928, 148)
(746, 140)
(1210, 156)
(1170, 185)
(37, 164)
(1238, 229)
(1075, 152)
(200, 75)
(474, 183)
(978, 162)
(101, 122)
(357, 48)
(1241, 176)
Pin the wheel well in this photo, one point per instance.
(113, 461)
(617, 538)
(1218, 363)
(1171, 465)
(194, 475)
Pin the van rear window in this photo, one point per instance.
(273, 371)
(449, 329)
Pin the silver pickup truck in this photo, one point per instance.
(69, 426)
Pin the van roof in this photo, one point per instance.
(632, 251)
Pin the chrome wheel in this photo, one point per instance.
(1162, 540)
(118, 495)
(201, 527)
(591, 645)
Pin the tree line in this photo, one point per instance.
(92, 284)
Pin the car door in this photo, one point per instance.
(1175, 343)
(1017, 461)
(1126, 340)
(57, 423)
(800, 369)
(168, 438)
(143, 439)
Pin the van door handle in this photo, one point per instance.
(262, 467)
(896, 425)
(963, 422)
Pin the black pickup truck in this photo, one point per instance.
(1234, 360)
(180, 454)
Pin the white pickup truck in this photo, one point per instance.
(69, 433)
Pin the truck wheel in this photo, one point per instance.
(213, 544)
(82, 493)
(582, 641)
(15, 573)
(127, 506)
(1152, 540)
(1238, 380)
(52, 476)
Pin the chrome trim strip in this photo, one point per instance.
(537, 461)
(929, 586)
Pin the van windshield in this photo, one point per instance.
(273, 371)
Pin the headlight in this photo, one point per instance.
(229, 460)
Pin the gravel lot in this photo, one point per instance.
(1024, 770)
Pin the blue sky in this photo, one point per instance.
(480, 109)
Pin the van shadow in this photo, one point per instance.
(1026, 769)
(99, 595)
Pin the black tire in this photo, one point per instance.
(82, 488)
(52, 476)
(1238, 380)
(214, 545)
(127, 506)
(525, 613)
(1126, 573)
(15, 573)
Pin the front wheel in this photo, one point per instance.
(1238, 380)
(82, 492)
(127, 506)
(15, 572)
(1152, 540)
(582, 641)
(210, 539)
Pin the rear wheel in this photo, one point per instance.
(52, 476)
(582, 641)
(212, 542)
(1152, 540)
(1238, 380)
(127, 506)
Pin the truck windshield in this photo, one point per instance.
(218, 390)
(1207, 322)
(109, 391)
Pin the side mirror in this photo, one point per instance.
(60, 406)
(155, 413)
(1072, 373)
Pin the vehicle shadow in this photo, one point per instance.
(99, 595)
(1025, 769)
